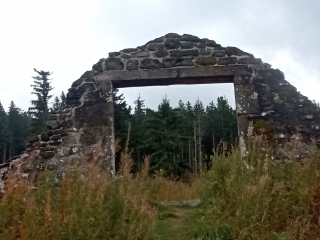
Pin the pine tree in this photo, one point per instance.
(18, 129)
(40, 110)
(199, 114)
(137, 133)
(163, 139)
(4, 134)
(63, 99)
(122, 116)
(56, 104)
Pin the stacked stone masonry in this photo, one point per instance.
(83, 129)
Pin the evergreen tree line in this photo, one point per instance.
(179, 140)
(17, 126)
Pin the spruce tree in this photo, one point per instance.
(163, 139)
(4, 134)
(122, 116)
(17, 126)
(137, 131)
(56, 104)
(63, 99)
(40, 110)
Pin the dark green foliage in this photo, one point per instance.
(178, 140)
(40, 110)
(137, 132)
(122, 115)
(14, 127)
(4, 133)
(18, 125)
(58, 102)
(221, 125)
(164, 139)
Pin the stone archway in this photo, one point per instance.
(83, 128)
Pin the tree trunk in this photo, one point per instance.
(189, 153)
(199, 135)
(4, 155)
(213, 145)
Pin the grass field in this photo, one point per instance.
(252, 198)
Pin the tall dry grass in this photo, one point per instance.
(88, 204)
(259, 198)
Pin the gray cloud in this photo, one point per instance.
(68, 38)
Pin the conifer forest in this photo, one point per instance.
(178, 139)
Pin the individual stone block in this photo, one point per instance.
(237, 52)
(44, 137)
(149, 63)
(168, 62)
(100, 114)
(67, 124)
(211, 43)
(129, 50)
(184, 62)
(184, 53)
(132, 65)
(247, 99)
(200, 44)
(172, 35)
(114, 54)
(113, 64)
(227, 61)
(249, 60)
(140, 54)
(125, 56)
(218, 53)
(155, 47)
(172, 43)
(206, 61)
(190, 38)
(161, 53)
(186, 45)
(205, 52)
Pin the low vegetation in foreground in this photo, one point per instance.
(256, 198)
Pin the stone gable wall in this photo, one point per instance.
(173, 51)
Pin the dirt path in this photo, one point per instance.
(175, 224)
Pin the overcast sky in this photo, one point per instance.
(67, 37)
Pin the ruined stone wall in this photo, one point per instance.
(285, 109)
(80, 131)
(83, 129)
(174, 51)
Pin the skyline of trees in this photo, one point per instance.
(178, 139)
